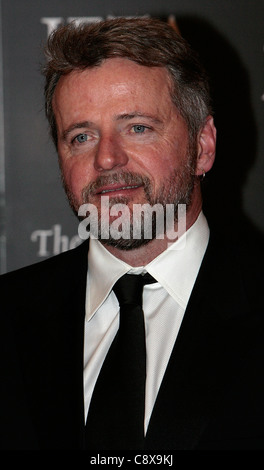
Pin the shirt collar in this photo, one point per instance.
(175, 269)
(104, 270)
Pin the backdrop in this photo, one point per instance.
(36, 221)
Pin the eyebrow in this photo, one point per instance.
(135, 114)
(77, 125)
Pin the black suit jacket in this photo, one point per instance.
(212, 393)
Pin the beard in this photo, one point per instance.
(177, 189)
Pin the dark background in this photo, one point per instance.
(36, 221)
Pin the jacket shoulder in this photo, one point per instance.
(46, 286)
(60, 264)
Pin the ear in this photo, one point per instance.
(206, 147)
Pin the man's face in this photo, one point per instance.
(120, 135)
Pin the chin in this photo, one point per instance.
(125, 244)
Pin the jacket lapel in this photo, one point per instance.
(50, 338)
(212, 342)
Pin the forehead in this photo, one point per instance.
(115, 80)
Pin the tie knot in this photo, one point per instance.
(129, 288)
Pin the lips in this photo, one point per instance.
(116, 188)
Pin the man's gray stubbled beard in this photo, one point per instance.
(177, 189)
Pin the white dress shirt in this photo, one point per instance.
(164, 304)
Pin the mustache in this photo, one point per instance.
(123, 177)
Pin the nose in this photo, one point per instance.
(109, 154)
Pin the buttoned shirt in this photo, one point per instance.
(164, 305)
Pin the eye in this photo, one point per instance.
(139, 129)
(81, 138)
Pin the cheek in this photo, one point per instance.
(76, 175)
(161, 160)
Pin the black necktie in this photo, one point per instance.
(116, 415)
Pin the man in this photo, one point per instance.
(130, 115)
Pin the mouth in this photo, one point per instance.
(116, 189)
